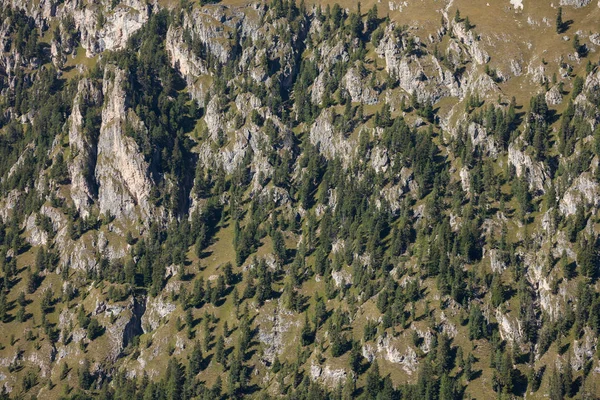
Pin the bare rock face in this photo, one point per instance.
(379, 159)
(480, 138)
(21, 160)
(468, 38)
(80, 255)
(231, 156)
(239, 141)
(274, 332)
(57, 52)
(122, 174)
(408, 70)
(318, 89)
(358, 89)
(214, 119)
(535, 172)
(516, 68)
(592, 84)
(83, 147)
(389, 349)
(342, 278)
(496, 262)
(330, 142)
(43, 358)
(509, 330)
(127, 325)
(327, 374)
(101, 26)
(40, 11)
(424, 76)
(102, 30)
(584, 349)
(537, 73)
(156, 309)
(332, 53)
(34, 235)
(246, 103)
(553, 96)
(465, 179)
(475, 82)
(211, 30)
(187, 63)
(583, 191)
(575, 3)
(447, 326)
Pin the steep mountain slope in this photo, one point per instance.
(391, 200)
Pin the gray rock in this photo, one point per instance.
(119, 25)
(575, 3)
(535, 172)
(126, 327)
(330, 142)
(553, 96)
(34, 235)
(156, 309)
(468, 38)
(583, 191)
(318, 88)
(516, 68)
(187, 63)
(273, 331)
(584, 349)
(359, 90)
(510, 330)
(124, 183)
(83, 148)
(328, 375)
(480, 138)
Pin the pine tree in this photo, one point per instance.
(373, 383)
(444, 354)
(356, 357)
(349, 388)
(176, 377)
(84, 375)
(196, 359)
(372, 18)
(476, 323)
(279, 246)
(577, 44)
(220, 351)
(497, 289)
(555, 388)
(566, 266)
(189, 323)
(64, 371)
(446, 388)
(217, 387)
(567, 377)
(587, 258)
(320, 311)
(559, 21)
(3, 305)
(307, 334)
(59, 171)
(468, 370)
(201, 241)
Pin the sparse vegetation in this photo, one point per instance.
(300, 202)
